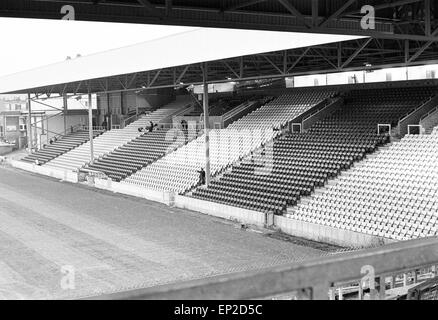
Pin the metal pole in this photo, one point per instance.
(206, 124)
(47, 128)
(109, 122)
(90, 127)
(64, 99)
(29, 123)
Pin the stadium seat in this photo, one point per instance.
(178, 171)
(60, 146)
(296, 164)
(110, 140)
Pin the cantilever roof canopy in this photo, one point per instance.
(140, 65)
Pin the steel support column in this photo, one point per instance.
(206, 124)
(90, 127)
(64, 111)
(29, 123)
(109, 124)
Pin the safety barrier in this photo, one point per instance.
(65, 175)
(327, 234)
(221, 210)
(415, 116)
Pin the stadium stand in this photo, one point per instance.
(430, 120)
(178, 171)
(393, 194)
(138, 153)
(60, 146)
(218, 107)
(280, 111)
(110, 140)
(299, 162)
(149, 147)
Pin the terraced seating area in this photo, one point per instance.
(281, 110)
(219, 107)
(392, 195)
(245, 108)
(138, 153)
(59, 147)
(110, 140)
(160, 114)
(300, 162)
(178, 171)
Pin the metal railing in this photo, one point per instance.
(56, 135)
(427, 290)
(427, 100)
(131, 119)
(313, 279)
(95, 128)
(429, 113)
(415, 116)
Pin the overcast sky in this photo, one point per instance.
(30, 43)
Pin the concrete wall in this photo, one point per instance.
(327, 234)
(6, 148)
(128, 189)
(221, 210)
(65, 175)
(168, 198)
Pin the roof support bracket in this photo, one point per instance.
(424, 47)
(354, 55)
(273, 64)
(337, 13)
(298, 59)
(294, 11)
(231, 69)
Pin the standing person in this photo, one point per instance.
(151, 127)
(202, 176)
(184, 127)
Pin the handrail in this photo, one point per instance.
(95, 128)
(415, 293)
(415, 116)
(318, 275)
(61, 134)
(181, 111)
(418, 107)
(253, 103)
(238, 109)
(429, 113)
(324, 104)
(127, 121)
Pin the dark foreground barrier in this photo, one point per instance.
(366, 274)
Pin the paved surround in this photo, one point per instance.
(115, 242)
